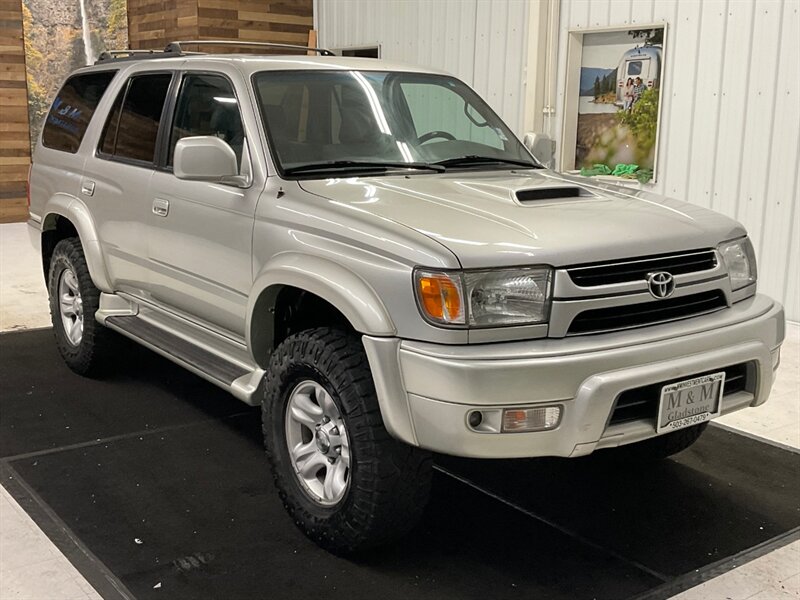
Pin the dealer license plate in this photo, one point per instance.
(690, 402)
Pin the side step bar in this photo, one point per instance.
(229, 375)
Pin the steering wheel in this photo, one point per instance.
(432, 135)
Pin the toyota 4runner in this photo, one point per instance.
(368, 252)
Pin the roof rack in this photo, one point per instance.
(175, 49)
(129, 54)
(176, 46)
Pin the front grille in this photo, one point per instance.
(642, 403)
(637, 269)
(628, 316)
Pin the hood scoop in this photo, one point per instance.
(551, 193)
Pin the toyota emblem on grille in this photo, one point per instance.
(661, 284)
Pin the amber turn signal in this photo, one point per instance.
(439, 295)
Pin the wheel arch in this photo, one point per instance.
(333, 284)
(66, 216)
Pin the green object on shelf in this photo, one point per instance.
(622, 169)
(595, 170)
(625, 171)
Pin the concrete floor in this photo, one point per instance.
(32, 568)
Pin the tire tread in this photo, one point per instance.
(91, 356)
(394, 478)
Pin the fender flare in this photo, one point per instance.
(78, 214)
(331, 281)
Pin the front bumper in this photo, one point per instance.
(426, 390)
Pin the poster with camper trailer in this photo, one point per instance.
(618, 108)
(60, 36)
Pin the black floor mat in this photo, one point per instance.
(161, 477)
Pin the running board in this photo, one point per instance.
(242, 382)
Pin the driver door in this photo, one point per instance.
(202, 242)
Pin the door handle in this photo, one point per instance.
(160, 207)
(87, 187)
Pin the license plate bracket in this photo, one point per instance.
(690, 402)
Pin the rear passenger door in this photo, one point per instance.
(201, 244)
(117, 176)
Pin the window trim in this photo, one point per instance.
(103, 131)
(94, 113)
(134, 162)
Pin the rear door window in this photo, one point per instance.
(72, 110)
(131, 131)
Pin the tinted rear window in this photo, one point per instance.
(72, 110)
(131, 132)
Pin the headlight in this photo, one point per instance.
(740, 261)
(490, 298)
(496, 298)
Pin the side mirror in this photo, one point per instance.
(205, 158)
(542, 147)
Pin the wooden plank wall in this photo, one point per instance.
(15, 150)
(154, 23)
(285, 22)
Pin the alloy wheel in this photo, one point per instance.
(70, 306)
(319, 448)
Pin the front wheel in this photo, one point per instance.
(346, 483)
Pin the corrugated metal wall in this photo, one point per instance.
(730, 136)
(730, 122)
(482, 42)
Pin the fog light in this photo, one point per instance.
(475, 418)
(531, 419)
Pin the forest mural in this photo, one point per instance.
(62, 35)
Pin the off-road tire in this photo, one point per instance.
(389, 480)
(662, 446)
(90, 356)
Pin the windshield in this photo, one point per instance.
(320, 121)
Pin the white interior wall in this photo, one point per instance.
(482, 42)
(730, 120)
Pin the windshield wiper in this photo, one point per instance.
(361, 165)
(474, 159)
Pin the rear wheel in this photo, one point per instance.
(347, 484)
(662, 446)
(81, 340)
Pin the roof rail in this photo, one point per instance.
(177, 46)
(129, 54)
(174, 49)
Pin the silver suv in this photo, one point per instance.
(368, 252)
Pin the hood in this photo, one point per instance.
(532, 217)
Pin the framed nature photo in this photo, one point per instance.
(612, 100)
